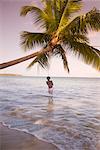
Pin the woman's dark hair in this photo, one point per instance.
(48, 78)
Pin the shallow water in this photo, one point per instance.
(71, 121)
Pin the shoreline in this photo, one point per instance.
(12, 139)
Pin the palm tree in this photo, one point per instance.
(63, 31)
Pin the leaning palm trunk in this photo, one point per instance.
(17, 61)
(22, 59)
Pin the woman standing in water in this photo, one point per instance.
(50, 85)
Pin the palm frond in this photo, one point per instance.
(48, 9)
(58, 8)
(68, 37)
(83, 23)
(71, 6)
(92, 19)
(29, 40)
(42, 60)
(44, 18)
(38, 13)
(88, 54)
(64, 12)
(61, 52)
(74, 6)
(52, 13)
(39, 16)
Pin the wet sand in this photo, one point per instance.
(11, 139)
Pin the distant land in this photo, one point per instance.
(9, 74)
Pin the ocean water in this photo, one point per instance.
(69, 119)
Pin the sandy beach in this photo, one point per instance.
(11, 139)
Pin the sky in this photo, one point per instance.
(12, 24)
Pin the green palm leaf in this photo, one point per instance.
(83, 23)
(51, 24)
(29, 40)
(88, 54)
(69, 7)
(78, 37)
(61, 52)
(39, 16)
(93, 20)
(42, 59)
